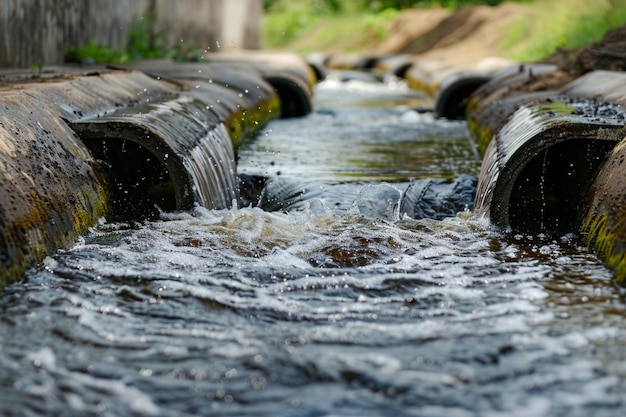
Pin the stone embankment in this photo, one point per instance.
(78, 145)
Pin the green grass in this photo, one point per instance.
(142, 44)
(562, 24)
(304, 33)
(553, 24)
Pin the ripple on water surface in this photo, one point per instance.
(241, 312)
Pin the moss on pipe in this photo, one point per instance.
(604, 226)
(35, 235)
(607, 243)
(244, 123)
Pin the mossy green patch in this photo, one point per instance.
(606, 243)
(47, 227)
(480, 135)
(246, 122)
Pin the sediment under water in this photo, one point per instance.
(331, 301)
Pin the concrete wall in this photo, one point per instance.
(38, 32)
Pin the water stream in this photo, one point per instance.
(335, 296)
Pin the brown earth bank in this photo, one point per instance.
(474, 33)
(452, 38)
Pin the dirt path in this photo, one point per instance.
(458, 38)
(471, 34)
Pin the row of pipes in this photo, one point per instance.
(552, 148)
(78, 145)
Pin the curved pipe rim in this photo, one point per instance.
(294, 96)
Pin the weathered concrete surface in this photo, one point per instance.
(51, 191)
(489, 107)
(181, 130)
(39, 32)
(544, 131)
(290, 77)
(604, 226)
(192, 135)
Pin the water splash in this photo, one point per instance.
(214, 169)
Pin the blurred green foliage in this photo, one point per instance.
(558, 24)
(354, 24)
(143, 43)
(323, 7)
(287, 20)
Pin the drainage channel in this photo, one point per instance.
(352, 279)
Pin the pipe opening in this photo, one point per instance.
(451, 100)
(401, 70)
(294, 99)
(138, 181)
(550, 194)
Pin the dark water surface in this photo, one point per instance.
(337, 303)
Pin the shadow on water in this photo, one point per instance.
(358, 291)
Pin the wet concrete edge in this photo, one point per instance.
(51, 190)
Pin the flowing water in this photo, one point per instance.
(344, 292)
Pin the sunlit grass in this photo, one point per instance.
(552, 24)
(557, 24)
(305, 33)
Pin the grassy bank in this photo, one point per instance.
(562, 24)
(301, 31)
(553, 24)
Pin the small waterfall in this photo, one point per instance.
(181, 155)
(212, 165)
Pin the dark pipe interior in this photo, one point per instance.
(401, 71)
(550, 192)
(138, 181)
(318, 70)
(452, 101)
(294, 100)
